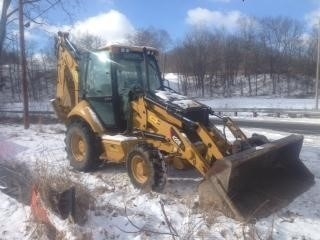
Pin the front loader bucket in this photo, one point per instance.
(258, 181)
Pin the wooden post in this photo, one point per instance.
(317, 70)
(23, 63)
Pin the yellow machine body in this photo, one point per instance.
(240, 178)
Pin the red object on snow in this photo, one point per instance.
(37, 209)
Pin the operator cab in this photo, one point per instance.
(110, 75)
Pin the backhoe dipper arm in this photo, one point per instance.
(67, 92)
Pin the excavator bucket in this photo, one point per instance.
(256, 182)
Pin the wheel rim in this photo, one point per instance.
(78, 147)
(140, 170)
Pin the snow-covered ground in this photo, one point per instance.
(15, 218)
(117, 202)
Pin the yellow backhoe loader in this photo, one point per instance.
(117, 109)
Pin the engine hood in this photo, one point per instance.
(185, 106)
(177, 99)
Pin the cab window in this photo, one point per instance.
(99, 75)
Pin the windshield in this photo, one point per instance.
(131, 72)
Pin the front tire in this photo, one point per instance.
(82, 146)
(146, 168)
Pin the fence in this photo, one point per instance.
(276, 112)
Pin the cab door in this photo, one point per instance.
(98, 87)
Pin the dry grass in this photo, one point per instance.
(51, 183)
(192, 225)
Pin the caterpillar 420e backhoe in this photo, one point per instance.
(117, 109)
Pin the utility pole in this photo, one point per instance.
(23, 64)
(317, 72)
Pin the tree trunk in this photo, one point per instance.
(256, 82)
(3, 23)
(249, 82)
(274, 84)
(202, 87)
(11, 81)
(241, 86)
(288, 84)
(18, 81)
(278, 82)
(211, 85)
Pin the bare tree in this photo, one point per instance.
(282, 38)
(248, 50)
(152, 37)
(215, 61)
(179, 58)
(35, 12)
(3, 22)
(157, 38)
(197, 46)
(88, 41)
(231, 63)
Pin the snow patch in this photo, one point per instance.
(177, 99)
(120, 138)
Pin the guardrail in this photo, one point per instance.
(275, 111)
(35, 116)
(30, 112)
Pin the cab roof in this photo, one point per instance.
(117, 48)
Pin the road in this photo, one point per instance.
(291, 127)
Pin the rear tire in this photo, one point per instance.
(146, 168)
(82, 146)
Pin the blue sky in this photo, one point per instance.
(171, 14)
(114, 19)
